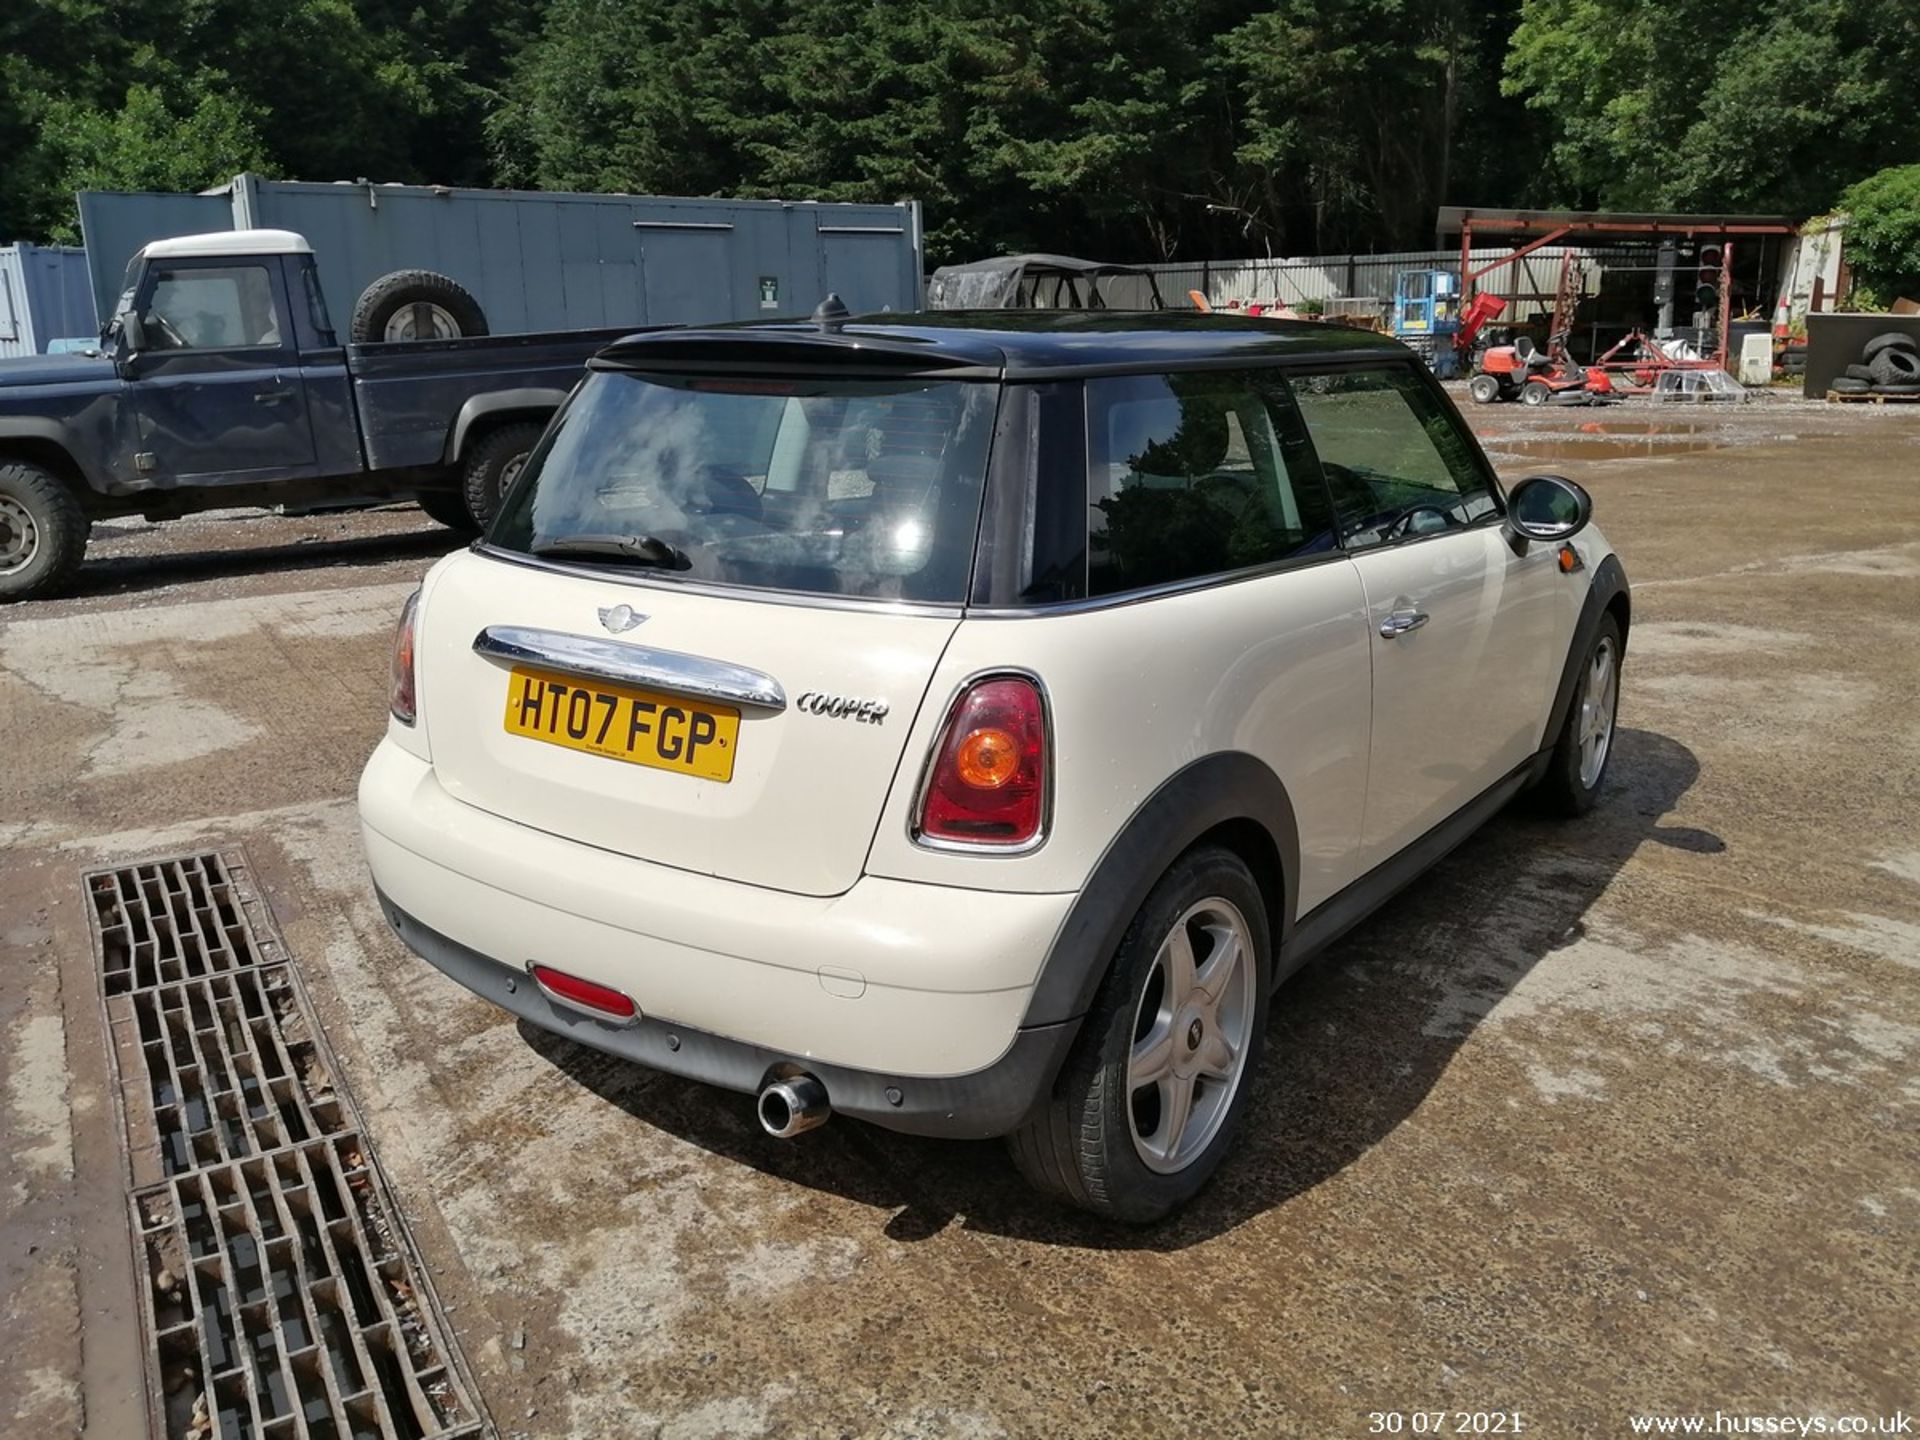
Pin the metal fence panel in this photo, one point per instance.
(1363, 284)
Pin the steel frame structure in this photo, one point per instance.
(1537, 228)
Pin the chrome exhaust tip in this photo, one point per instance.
(794, 1106)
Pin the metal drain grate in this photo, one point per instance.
(281, 1277)
(283, 1298)
(226, 1065)
(170, 920)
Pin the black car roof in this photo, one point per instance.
(1026, 344)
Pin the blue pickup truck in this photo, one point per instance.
(220, 382)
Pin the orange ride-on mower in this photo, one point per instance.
(1523, 371)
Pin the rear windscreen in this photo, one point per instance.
(833, 487)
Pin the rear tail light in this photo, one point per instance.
(403, 699)
(585, 993)
(988, 779)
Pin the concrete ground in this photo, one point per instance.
(1598, 1119)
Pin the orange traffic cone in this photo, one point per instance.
(1781, 318)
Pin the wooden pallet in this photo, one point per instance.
(1841, 397)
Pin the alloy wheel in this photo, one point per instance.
(1597, 706)
(1191, 1033)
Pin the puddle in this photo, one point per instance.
(1606, 440)
(1626, 447)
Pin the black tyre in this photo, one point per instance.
(1845, 385)
(1903, 389)
(43, 531)
(1579, 765)
(1535, 392)
(492, 465)
(449, 508)
(1893, 367)
(1892, 340)
(415, 305)
(1485, 389)
(1152, 1093)
(1859, 372)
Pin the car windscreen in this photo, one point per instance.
(832, 487)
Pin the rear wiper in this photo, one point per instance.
(629, 549)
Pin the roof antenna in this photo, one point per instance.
(831, 313)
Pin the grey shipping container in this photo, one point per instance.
(44, 297)
(537, 260)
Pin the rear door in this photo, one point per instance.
(218, 388)
(741, 710)
(1461, 624)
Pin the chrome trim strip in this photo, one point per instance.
(610, 575)
(984, 847)
(625, 664)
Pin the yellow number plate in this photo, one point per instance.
(666, 732)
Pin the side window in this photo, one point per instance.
(1190, 475)
(1396, 462)
(229, 308)
(316, 303)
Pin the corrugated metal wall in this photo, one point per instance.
(540, 261)
(44, 296)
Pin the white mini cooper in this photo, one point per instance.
(964, 721)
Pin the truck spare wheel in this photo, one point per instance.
(415, 305)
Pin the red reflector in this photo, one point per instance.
(585, 992)
(987, 784)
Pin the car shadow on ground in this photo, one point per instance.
(1356, 1041)
(129, 574)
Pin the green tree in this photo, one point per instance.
(1883, 234)
(147, 144)
(1692, 105)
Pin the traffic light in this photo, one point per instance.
(1706, 290)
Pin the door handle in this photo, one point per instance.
(272, 397)
(1399, 622)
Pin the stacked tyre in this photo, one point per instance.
(1889, 364)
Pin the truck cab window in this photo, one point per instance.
(229, 308)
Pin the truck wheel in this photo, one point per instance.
(1485, 389)
(1151, 1095)
(415, 305)
(43, 531)
(449, 508)
(493, 464)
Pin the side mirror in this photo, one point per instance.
(133, 331)
(1548, 507)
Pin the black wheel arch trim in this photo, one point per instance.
(481, 412)
(60, 437)
(1609, 583)
(1216, 790)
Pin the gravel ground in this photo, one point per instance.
(1598, 1119)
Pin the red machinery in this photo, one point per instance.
(1524, 372)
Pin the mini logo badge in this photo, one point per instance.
(620, 618)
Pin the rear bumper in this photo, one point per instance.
(990, 1102)
(905, 1000)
